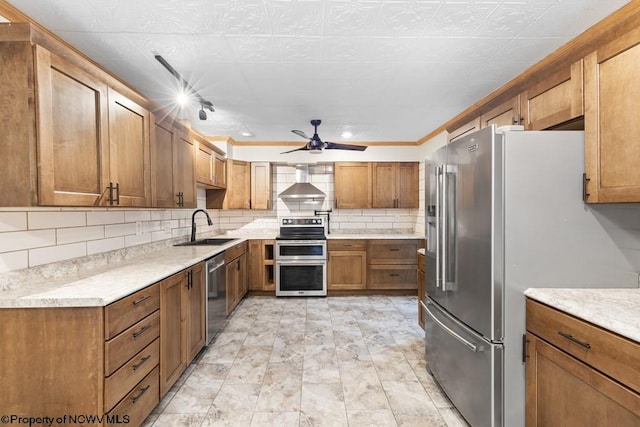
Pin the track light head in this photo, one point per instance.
(202, 113)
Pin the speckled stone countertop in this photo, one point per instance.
(376, 236)
(617, 310)
(106, 284)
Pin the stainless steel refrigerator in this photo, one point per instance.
(504, 212)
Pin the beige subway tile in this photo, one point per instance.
(79, 234)
(13, 221)
(17, 260)
(18, 240)
(119, 229)
(141, 215)
(105, 245)
(56, 219)
(134, 240)
(105, 217)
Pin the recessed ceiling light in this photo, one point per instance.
(347, 134)
(182, 99)
(247, 134)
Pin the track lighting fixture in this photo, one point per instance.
(187, 88)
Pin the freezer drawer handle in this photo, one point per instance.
(575, 340)
(467, 343)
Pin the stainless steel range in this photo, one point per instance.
(301, 257)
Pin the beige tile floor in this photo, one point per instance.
(335, 361)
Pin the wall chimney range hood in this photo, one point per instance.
(302, 189)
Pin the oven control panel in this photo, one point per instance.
(292, 222)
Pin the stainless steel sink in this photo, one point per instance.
(207, 242)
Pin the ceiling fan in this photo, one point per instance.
(316, 145)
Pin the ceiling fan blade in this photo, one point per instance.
(334, 146)
(305, 147)
(300, 133)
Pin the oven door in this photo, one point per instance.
(296, 250)
(301, 278)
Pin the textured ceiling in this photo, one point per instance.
(386, 70)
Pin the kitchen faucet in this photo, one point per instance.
(193, 222)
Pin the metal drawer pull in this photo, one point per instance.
(575, 340)
(141, 331)
(394, 275)
(141, 300)
(467, 343)
(394, 250)
(141, 362)
(142, 392)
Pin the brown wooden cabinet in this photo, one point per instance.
(352, 185)
(463, 130)
(210, 164)
(579, 373)
(395, 185)
(172, 165)
(87, 360)
(507, 113)
(612, 152)
(129, 151)
(347, 264)
(236, 270)
(261, 185)
(260, 265)
(182, 323)
(238, 185)
(392, 264)
(555, 100)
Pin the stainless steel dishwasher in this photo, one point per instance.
(216, 296)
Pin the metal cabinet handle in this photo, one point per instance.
(141, 362)
(142, 392)
(141, 331)
(117, 193)
(394, 275)
(141, 300)
(466, 343)
(394, 250)
(575, 340)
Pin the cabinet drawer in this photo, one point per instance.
(234, 252)
(347, 245)
(609, 353)
(392, 251)
(131, 373)
(392, 277)
(139, 403)
(131, 341)
(127, 311)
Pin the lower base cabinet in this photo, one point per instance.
(236, 269)
(578, 374)
(346, 265)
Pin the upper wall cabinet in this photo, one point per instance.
(260, 185)
(472, 126)
(612, 151)
(129, 152)
(172, 166)
(507, 113)
(352, 185)
(68, 138)
(210, 165)
(555, 100)
(395, 185)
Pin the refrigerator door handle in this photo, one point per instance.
(448, 221)
(467, 343)
(445, 228)
(438, 173)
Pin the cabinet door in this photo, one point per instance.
(220, 171)
(72, 134)
(347, 270)
(238, 185)
(612, 152)
(384, 185)
(555, 100)
(162, 165)
(196, 297)
(559, 387)
(508, 113)
(352, 185)
(261, 185)
(130, 161)
(184, 170)
(407, 185)
(463, 130)
(255, 262)
(205, 164)
(173, 306)
(243, 282)
(233, 283)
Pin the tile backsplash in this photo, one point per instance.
(31, 237)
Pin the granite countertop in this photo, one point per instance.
(617, 310)
(109, 283)
(377, 236)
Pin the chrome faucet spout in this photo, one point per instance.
(193, 222)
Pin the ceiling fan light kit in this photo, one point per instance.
(316, 145)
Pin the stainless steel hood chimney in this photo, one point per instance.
(302, 189)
